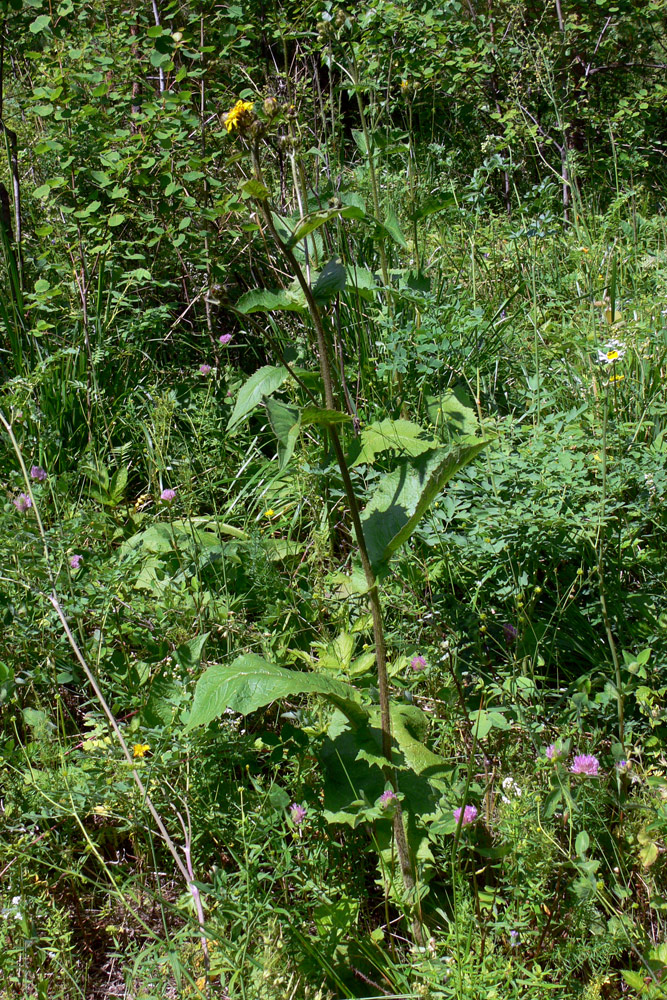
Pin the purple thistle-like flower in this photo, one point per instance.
(22, 502)
(469, 814)
(205, 369)
(585, 763)
(418, 662)
(224, 339)
(297, 813)
(168, 496)
(75, 561)
(38, 473)
(510, 633)
(388, 798)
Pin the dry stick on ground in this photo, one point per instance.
(373, 592)
(53, 600)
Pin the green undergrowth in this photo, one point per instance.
(200, 520)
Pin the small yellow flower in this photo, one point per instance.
(617, 378)
(139, 749)
(143, 501)
(270, 513)
(239, 116)
(612, 355)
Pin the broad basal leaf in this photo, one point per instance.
(251, 682)
(404, 495)
(408, 439)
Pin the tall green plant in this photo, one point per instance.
(401, 497)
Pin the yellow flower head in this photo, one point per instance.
(240, 116)
(270, 512)
(617, 378)
(613, 355)
(139, 749)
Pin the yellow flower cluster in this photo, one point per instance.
(239, 115)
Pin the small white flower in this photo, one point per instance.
(511, 788)
(612, 352)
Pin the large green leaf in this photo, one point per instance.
(319, 218)
(325, 418)
(404, 495)
(453, 412)
(392, 226)
(285, 423)
(362, 281)
(251, 682)
(262, 300)
(264, 381)
(392, 435)
(330, 282)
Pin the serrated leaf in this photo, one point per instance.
(253, 188)
(251, 682)
(634, 980)
(403, 436)
(330, 282)
(285, 423)
(391, 225)
(322, 417)
(404, 495)
(264, 382)
(189, 654)
(431, 205)
(310, 223)
(118, 484)
(262, 300)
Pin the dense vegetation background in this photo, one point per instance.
(333, 344)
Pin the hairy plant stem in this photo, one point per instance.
(330, 403)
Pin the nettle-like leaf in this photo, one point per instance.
(404, 495)
(251, 682)
(264, 381)
(409, 439)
